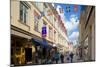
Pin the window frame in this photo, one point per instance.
(24, 8)
(36, 22)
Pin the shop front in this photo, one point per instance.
(21, 48)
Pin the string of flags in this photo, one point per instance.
(68, 8)
(37, 16)
(61, 10)
(75, 8)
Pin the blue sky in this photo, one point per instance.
(71, 20)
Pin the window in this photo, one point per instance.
(55, 36)
(36, 21)
(18, 50)
(38, 5)
(45, 5)
(23, 12)
(50, 33)
(36, 24)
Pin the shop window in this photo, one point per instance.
(17, 60)
(23, 50)
(18, 51)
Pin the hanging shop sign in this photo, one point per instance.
(44, 31)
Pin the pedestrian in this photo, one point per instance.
(36, 58)
(56, 56)
(62, 58)
(67, 58)
(71, 56)
(48, 60)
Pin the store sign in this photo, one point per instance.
(44, 31)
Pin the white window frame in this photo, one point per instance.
(24, 9)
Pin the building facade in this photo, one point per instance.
(28, 19)
(87, 33)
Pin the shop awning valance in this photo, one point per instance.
(42, 43)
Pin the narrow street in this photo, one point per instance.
(51, 33)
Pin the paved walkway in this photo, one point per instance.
(75, 59)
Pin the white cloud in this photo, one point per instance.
(74, 36)
(73, 18)
(72, 24)
(74, 42)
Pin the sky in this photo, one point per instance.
(70, 19)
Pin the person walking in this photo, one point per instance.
(56, 56)
(71, 56)
(62, 58)
(48, 60)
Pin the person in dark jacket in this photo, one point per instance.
(56, 56)
(71, 56)
(62, 58)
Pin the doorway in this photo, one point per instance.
(28, 55)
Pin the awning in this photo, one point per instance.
(36, 42)
(42, 43)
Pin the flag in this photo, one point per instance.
(61, 10)
(68, 8)
(36, 15)
(59, 18)
(75, 8)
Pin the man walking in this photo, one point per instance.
(71, 56)
(62, 58)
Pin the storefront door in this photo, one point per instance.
(28, 54)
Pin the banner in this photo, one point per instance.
(61, 10)
(68, 8)
(44, 31)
